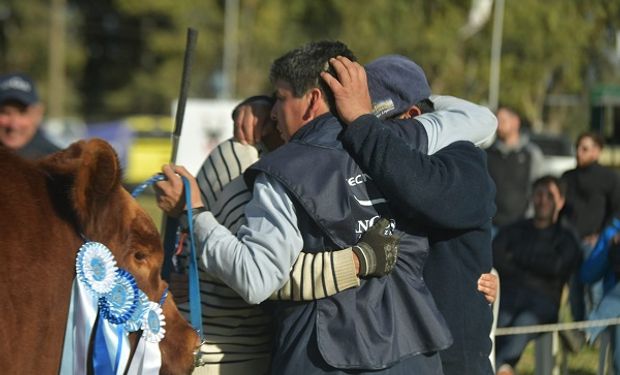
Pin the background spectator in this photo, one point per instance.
(21, 114)
(604, 264)
(514, 162)
(592, 199)
(535, 259)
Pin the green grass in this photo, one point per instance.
(585, 362)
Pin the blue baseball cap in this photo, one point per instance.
(18, 87)
(395, 84)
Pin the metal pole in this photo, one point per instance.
(496, 54)
(229, 59)
(169, 224)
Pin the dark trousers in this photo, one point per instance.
(518, 308)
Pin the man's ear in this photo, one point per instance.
(560, 203)
(36, 111)
(316, 104)
(413, 111)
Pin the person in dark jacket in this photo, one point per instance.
(593, 191)
(592, 200)
(450, 195)
(514, 163)
(535, 259)
(21, 114)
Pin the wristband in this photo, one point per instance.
(183, 224)
(367, 259)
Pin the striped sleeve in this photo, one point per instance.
(225, 163)
(319, 275)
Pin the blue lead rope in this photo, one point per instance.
(195, 306)
(195, 313)
(140, 188)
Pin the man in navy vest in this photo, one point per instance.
(450, 195)
(310, 194)
(446, 182)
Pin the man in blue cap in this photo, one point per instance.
(21, 114)
(454, 204)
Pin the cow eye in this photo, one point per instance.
(140, 256)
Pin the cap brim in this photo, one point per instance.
(18, 96)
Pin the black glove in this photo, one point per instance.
(377, 249)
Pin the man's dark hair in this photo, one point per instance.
(548, 179)
(596, 138)
(301, 67)
(510, 109)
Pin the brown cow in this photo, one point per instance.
(44, 208)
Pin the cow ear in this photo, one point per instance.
(96, 179)
(91, 172)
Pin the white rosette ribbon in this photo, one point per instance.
(153, 323)
(147, 359)
(96, 268)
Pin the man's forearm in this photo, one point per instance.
(456, 119)
(257, 263)
(319, 275)
(450, 189)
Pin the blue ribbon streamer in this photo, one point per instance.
(101, 356)
(120, 332)
(195, 306)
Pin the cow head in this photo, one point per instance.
(105, 212)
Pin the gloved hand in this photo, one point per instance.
(377, 250)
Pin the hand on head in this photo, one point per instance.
(249, 119)
(350, 89)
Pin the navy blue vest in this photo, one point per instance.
(385, 319)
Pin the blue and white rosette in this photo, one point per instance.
(134, 322)
(153, 323)
(119, 304)
(100, 287)
(147, 359)
(96, 268)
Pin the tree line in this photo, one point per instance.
(123, 57)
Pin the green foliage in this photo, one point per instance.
(24, 44)
(125, 56)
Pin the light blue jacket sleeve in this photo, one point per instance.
(257, 261)
(457, 119)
